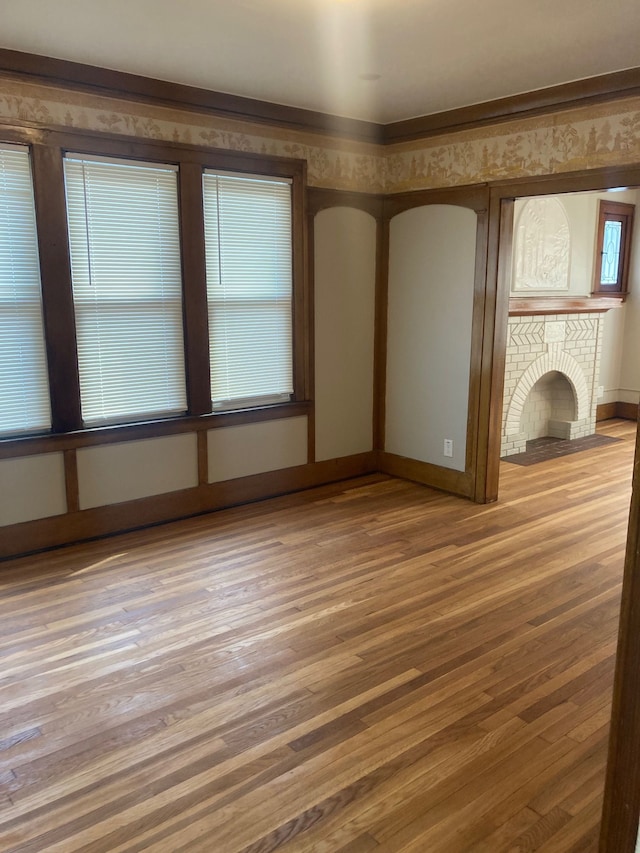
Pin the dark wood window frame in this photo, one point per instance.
(617, 212)
(48, 149)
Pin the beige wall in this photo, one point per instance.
(126, 471)
(255, 448)
(30, 488)
(431, 277)
(344, 308)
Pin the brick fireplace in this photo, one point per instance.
(551, 374)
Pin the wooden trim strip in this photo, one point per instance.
(80, 525)
(580, 93)
(71, 480)
(105, 144)
(381, 335)
(477, 331)
(310, 335)
(57, 294)
(120, 84)
(302, 341)
(33, 445)
(455, 482)
(619, 828)
(522, 306)
(203, 457)
(494, 347)
(597, 179)
(194, 284)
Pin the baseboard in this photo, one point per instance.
(44, 533)
(627, 411)
(30, 536)
(605, 411)
(456, 482)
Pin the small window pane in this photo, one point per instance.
(611, 252)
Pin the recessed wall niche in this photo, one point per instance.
(542, 247)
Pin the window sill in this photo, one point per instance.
(33, 445)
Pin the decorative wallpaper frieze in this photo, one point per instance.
(588, 137)
(331, 162)
(582, 138)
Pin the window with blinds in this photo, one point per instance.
(24, 386)
(124, 241)
(249, 288)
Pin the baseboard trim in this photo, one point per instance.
(44, 533)
(627, 411)
(31, 536)
(456, 482)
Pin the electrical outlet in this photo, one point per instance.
(448, 447)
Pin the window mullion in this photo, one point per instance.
(57, 295)
(194, 288)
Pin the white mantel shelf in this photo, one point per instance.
(521, 306)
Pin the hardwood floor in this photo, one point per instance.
(371, 666)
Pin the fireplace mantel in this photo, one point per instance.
(522, 306)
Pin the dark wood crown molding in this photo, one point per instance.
(592, 90)
(120, 84)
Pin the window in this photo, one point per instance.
(249, 288)
(24, 389)
(613, 247)
(162, 281)
(127, 288)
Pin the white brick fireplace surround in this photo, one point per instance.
(551, 377)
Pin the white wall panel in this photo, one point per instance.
(32, 487)
(255, 448)
(431, 280)
(136, 469)
(344, 297)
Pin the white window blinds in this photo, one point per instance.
(24, 388)
(126, 273)
(249, 288)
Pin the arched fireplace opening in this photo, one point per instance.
(549, 409)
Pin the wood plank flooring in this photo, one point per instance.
(370, 666)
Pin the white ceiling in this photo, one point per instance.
(431, 55)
